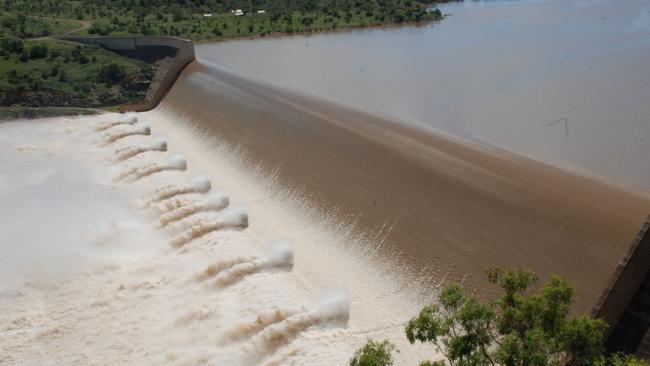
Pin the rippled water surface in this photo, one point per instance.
(565, 82)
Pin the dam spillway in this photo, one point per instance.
(441, 207)
(251, 223)
(369, 205)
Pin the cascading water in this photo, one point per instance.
(176, 162)
(199, 185)
(135, 130)
(233, 218)
(261, 321)
(214, 202)
(333, 308)
(129, 152)
(280, 257)
(128, 119)
(125, 292)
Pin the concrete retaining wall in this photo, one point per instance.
(175, 52)
(617, 305)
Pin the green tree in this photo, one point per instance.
(374, 353)
(12, 45)
(38, 51)
(620, 359)
(111, 74)
(460, 327)
(517, 329)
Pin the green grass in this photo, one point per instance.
(12, 113)
(68, 68)
(21, 26)
(58, 26)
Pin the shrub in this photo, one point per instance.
(38, 51)
(374, 353)
(99, 28)
(12, 45)
(111, 74)
(516, 329)
(54, 54)
(621, 359)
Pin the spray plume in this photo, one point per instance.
(280, 256)
(214, 202)
(174, 203)
(198, 185)
(333, 307)
(261, 321)
(234, 218)
(128, 119)
(140, 129)
(129, 152)
(176, 162)
(215, 268)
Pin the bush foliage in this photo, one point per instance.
(519, 328)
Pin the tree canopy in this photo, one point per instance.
(518, 328)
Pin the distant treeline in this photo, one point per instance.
(82, 9)
(211, 19)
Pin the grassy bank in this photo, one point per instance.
(52, 73)
(25, 26)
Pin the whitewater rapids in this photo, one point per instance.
(89, 273)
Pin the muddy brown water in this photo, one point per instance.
(445, 207)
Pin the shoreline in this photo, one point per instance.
(278, 35)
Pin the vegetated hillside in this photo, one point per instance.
(50, 73)
(187, 18)
(24, 26)
(44, 72)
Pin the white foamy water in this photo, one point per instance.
(165, 268)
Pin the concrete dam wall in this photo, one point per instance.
(174, 54)
(444, 210)
(557, 234)
(625, 304)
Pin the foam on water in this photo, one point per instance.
(279, 257)
(333, 308)
(214, 202)
(159, 144)
(176, 162)
(198, 185)
(261, 321)
(128, 119)
(90, 279)
(232, 218)
(135, 130)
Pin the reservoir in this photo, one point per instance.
(563, 82)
